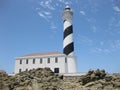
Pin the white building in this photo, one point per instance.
(57, 62)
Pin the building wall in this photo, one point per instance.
(23, 66)
(72, 67)
(65, 64)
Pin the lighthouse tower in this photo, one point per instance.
(68, 44)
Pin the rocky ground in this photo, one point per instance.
(45, 79)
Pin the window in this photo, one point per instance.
(26, 61)
(20, 70)
(56, 70)
(40, 60)
(33, 61)
(56, 60)
(65, 59)
(48, 60)
(20, 61)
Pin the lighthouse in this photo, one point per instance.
(68, 44)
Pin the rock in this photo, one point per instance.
(90, 84)
(102, 82)
(116, 84)
(45, 79)
(93, 76)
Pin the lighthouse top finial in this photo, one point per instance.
(67, 7)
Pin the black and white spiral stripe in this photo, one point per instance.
(68, 45)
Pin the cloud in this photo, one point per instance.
(100, 50)
(51, 6)
(41, 14)
(47, 13)
(66, 2)
(116, 45)
(83, 13)
(116, 5)
(47, 4)
(102, 46)
(106, 46)
(114, 25)
(116, 8)
(61, 1)
(44, 14)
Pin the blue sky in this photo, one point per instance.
(30, 26)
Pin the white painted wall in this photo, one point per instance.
(69, 67)
(30, 65)
(72, 67)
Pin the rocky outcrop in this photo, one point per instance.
(99, 80)
(92, 76)
(45, 79)
(31, 80)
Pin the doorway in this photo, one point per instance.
(56, 70)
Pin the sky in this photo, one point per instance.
(30, 26)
